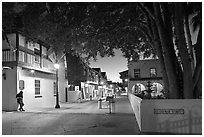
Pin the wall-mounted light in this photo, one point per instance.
(32, 71)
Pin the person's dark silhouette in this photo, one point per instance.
(19, 98)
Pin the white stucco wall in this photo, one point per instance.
(135, 103)
(73, 96)
(46, 89)
(158, 115)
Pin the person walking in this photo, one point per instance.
(19, 98)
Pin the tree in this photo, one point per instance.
(164, 29)
(91, 28)
(169, 20)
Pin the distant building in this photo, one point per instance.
(27, 67)
(91, 82)
(124, 77)
(144, 72)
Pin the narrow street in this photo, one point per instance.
(73, 119)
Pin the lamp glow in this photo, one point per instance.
(56, 66)
(32, 71)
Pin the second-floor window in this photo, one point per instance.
(21, 56)
(37, 56)
(136, 73)
(153, 72)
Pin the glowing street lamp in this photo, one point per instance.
(56, 66)
(57, 94)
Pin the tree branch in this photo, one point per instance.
(148, 11)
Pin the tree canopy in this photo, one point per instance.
(88, 29)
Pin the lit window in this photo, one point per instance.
(136, 73)
(153, 72)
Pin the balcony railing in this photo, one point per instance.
(8, 55)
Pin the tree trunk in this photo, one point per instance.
(187, 71)
(188, 34)
(197, 76)
(169, 55)
(158, 49)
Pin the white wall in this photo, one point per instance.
(10, 87)
(190, 121)
(46, 89)
(73, 96)
(9, 90)
(135, 103)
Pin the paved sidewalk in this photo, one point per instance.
(121, 105)
(73, 119)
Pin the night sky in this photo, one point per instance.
(111, 65)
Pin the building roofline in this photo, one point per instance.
(29, 37)
(123, 71)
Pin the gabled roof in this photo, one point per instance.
(103, 74)
(126, 71)
(97, 69)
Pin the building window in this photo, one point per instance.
(153, 72)
(37, 56)
(25, 58)
(37, 87)
(21, 56)
(54, 86)
(136, 73)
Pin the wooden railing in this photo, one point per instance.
(8, 55)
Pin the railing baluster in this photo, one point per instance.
(8, 55)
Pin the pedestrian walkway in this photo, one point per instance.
(73, 119)
(121, 104)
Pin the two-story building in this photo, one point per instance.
(26, 67)
(84, 82)
(143, 73)
(103, 84)
(95, 86)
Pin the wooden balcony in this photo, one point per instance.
(8, 55)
